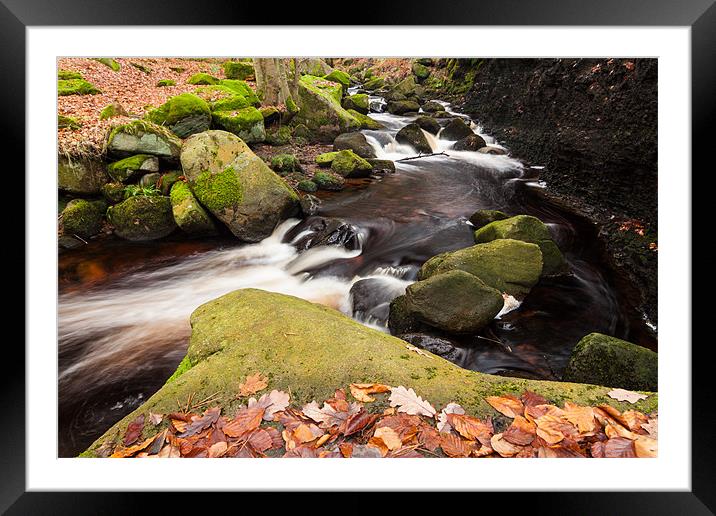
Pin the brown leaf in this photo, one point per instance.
(581, 417)
(450, 408)
(358, 422)
(454, 446)
(552, 429)
(520, 432)
(155, 419)
(428, 437)
(503, 447)
(646, 447)
(273, 402)
(218, 449)
(246, 420)
(378, 444)
(624, 395)
(134, 430)
(327, 416)
(201, 423)
(557, 452)
(254, 383)
(275, 436)
(361, 391)
(530, 399)
(171, 449)
(405, 425)
(471, 428)
(303, 452)
(507, 405)
(406, 400)
(260, 440)
(346, 449)
(128, 452)
(652, 427)
(619, 447)
(360, 451)
(389, 437)
(597, 450)
(633, 420)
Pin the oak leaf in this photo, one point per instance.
(155, 419)
(201, 423)
(624, 395)
(254, 383)
(450, 408)
(272, 402)
(406, 400)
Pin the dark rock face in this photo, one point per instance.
(324, 231)
(436, 345)
(371, 297)
(593, 124)
(471, 142)
(355, 142)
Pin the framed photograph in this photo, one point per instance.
(445, 243)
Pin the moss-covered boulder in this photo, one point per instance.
(453, 301)
(420, 71)
(357, 102)
(285, 163)
(65, 75)
(167, 181)
(82, 218)
(183, 114)
(113, 192)
(355, 142)
(405, 87)
(399, 107)
(365, 121)
(432, 106)
(527, 229)
(348, 164)
(76, 87)
(270, 113)
(81, 175)
(241, 70)
(321, 112)
(235, 185)
(456, 129)
(328, 181)
(310, 350)
(241, 88)
(202, 78)
(324, 160)
(484, 217)
(413, 135)
(307, 186)
(246, 123)
(112, 110)
(471, 142)
(312, 66)
(382, 166)
(141, 218)
(143, 137)
(341, 78)
(163, 83)
(68, 122)
(188, 213)
(221, 98)
(132, 167)
(110, 63)
(374, 83)
(510, 266)
(279, 136)
(428, 124)
(603, 360)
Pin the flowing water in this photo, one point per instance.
(124, 307)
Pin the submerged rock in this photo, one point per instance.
(310, 204)
(235, 185)
(142, 218)
(510, 266)
(453, 301)
(527, 229)
(323, 231)
(413, 135)
(356, 142)
(313, 350)
(382, 166)
(603, 360)
(433, 106)
(471, 142)
(456, 130)
(371, 297)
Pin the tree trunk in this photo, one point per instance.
(272, 80)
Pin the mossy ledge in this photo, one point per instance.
(310, 350)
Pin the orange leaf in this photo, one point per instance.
(454, 446)
(254, 383)
(246, 420)
(520, 432)
(389, 437)
(503, 447)
(361, 391)
(507, 405)
(470, 427)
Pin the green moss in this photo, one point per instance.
(168, 179)
(110, 63)
(341, 78)
(142, 68)
(127, 168)
(182, 368)
(166, 82)
(68, 122)
(420, 71)
(279, 136)
(188, 213)
(219, 191)
(310, 350)
(113, 192)
(365, 121)
(65, 75)
(82, 218)
(307, 186)
(246, 123)
(242, 88)
(238, 70)
(327, 88)
(374, 84)
(177, 69)
(178, 108)
(348, 163)
(269, 112)
(75, 87)
(111, 111)
(141, 218)
(291, 106)
(358, 102)
(202, 78)
(325, 159)
(327, 181)
(285, 163)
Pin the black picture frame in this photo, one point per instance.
(699, 15)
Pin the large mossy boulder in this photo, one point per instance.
(471, 142)
(188, 213)
(141, 218)
(241, 70)
(203, 78)
(341, 78)
(420, 71)
(399, 107)
(413, 135)
(81, 175)
(133, 167)
(235, 185)
(456, 129)
(454, 302)
(527, 229)
(510, 266)
(603, 360)
(82, 218)
(374, 83)
(184, 115)
(428, 124)
(405, 87)
(357, 102)
(246, 123)
(76, 87)
(241, 88)
(432, 106)
(484, 217)
(365, 121)
(321, 112)
(311, 350)
(314, 66)
(356, 142)
(143, 137)
(222, 98)
(348, 164)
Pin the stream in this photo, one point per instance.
(124, 307)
